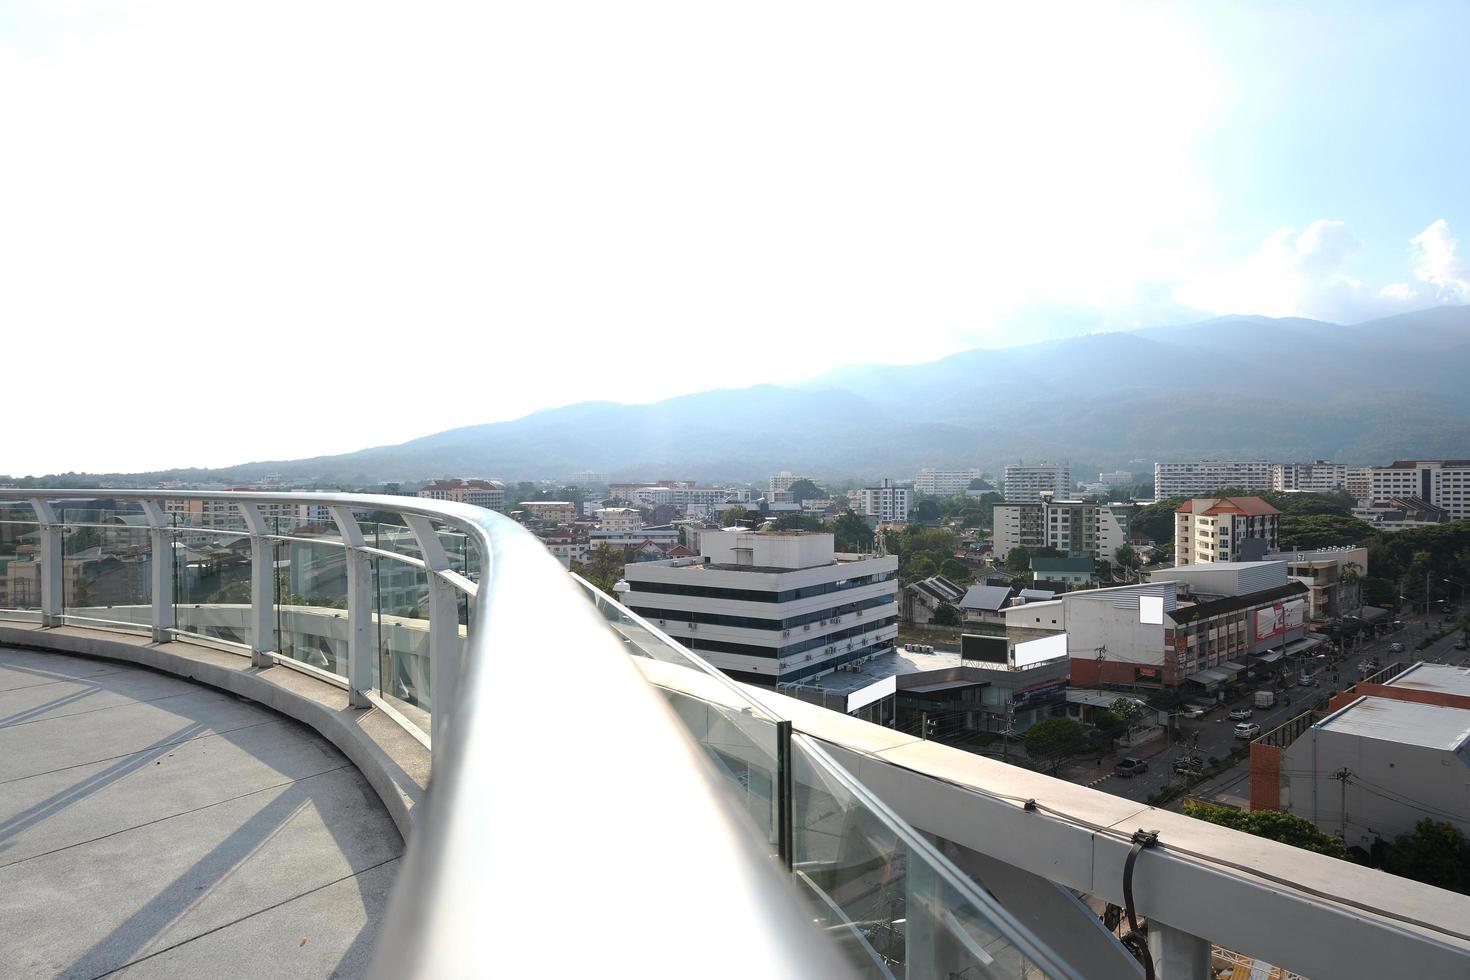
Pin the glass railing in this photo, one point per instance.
(892, 903)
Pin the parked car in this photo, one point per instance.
(1306, 680)
(1394, 647)
(1459, 644)
(1247, 729)
(1192, 711)
(1240, 714)
(1190, 765)
(1129, 766)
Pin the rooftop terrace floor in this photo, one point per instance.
(154, 827)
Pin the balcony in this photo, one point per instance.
(218, 737)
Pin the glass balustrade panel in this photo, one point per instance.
(311, 603)
(106, 569)
(20, 572)
(212, 586)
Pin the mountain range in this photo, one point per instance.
(1230, 387)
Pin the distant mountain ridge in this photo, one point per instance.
(1235, 386)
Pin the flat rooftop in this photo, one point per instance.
(1443, 678)
(879, 668)
(1429, 726)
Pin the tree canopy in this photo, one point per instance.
(1053, 739)
(1322, 531)
(852, 533)
(805, 490)
(1272, 824)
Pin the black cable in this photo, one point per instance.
(1135, 939)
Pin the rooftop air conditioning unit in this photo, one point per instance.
(785, 632)
(807, 627)
(694, 626)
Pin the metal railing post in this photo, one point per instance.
(361, 640)
(1178, 955)
(162, 571)
(785, 804)
(50, 560)
(444, 640)
(262, 586)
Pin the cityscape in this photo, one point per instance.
(813, 490)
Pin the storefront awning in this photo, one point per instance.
(1372, 614)
(1232, 667)
(1209, 678)
(1271, 658)
(1303, 645)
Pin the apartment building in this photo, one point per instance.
(771, 606)
(550, 511)
(618, 518)
(1025, 484)
(1318, 477)
(888, 502)
(945, 483)
(1117, 478)
(1076, 528)
(1207, 476)
(1211, 529)
(489, 494)
(1444, 483)
(1400, 514)
(1358, 481)
(784, 479)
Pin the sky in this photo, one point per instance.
(232, 232)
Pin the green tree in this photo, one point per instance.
(1127, 559)
(1131, 710)
(927, 511)
(947, 615)
(734, 516)
(806, 490)
(1322, 531)
(1274, 825)
(604, 568)
(799, 522)
(1019, 559)
(1108, 723)
(1052, 740)
(916, 567)
(956, 571)
(852, 533)
(1435, 853)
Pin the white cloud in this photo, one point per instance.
(1436, 263)
(1291, 274)
(1401, 292)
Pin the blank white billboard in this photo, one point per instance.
(1151, 610)
(1036, 651)
(876, 691)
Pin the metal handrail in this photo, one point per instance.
(534, 831)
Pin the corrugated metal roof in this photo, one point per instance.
(1405, 722)
(1434, 677)
(990, 598)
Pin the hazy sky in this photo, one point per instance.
(269, 230)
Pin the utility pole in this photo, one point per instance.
(1005, 738)
(1342, 776)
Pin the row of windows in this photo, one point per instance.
(773, 653)
(754, 622)
(756, 595)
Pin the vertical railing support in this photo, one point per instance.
(162, 570)
(784, 801)
(361, 640)
(50, 560)
(262, 586)
(1178, 955)
(444, 638)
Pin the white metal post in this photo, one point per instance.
(50, 559)
(444, 640)
(162, 572)
(262, 586)
(361, 641)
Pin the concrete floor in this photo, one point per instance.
(153, 827)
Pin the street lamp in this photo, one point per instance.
(1462, 591)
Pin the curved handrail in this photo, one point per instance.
(547, 847)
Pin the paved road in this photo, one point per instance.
(1215, 730)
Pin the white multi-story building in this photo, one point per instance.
(1224, 529)
(618, 518)
(1117, 478)
(1025, 484)
(550, 511)
(482, 493)
(1076, 528)
(1209, 475)
(1444, 483)
(888, 502)
(771, 606)
(1318, 477)
(784, 479)
(944, 483)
